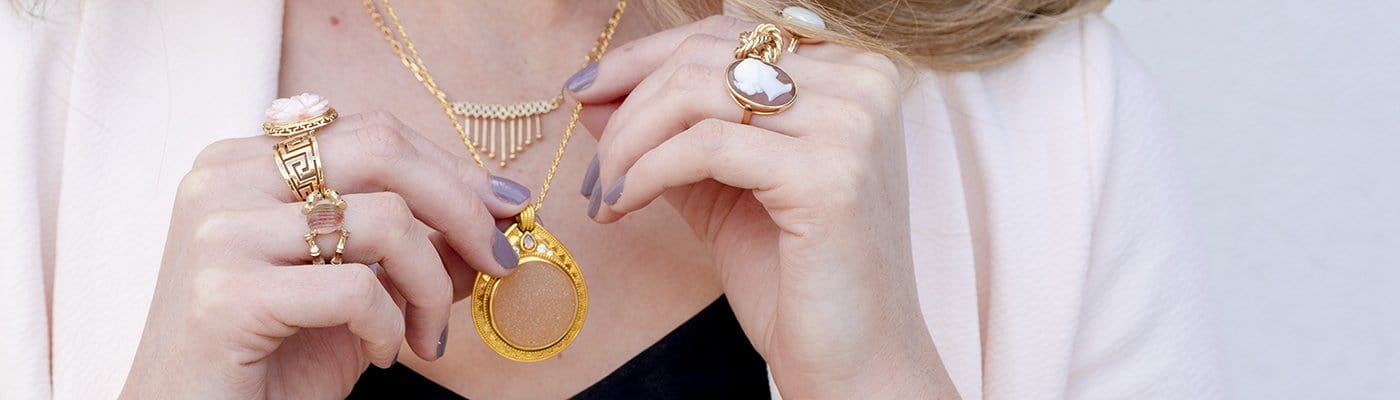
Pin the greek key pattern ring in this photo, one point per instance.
(299, 160)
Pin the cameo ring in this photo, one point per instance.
(325, 214)
(295, 120)
(755, 82)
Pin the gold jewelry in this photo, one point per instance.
(538, 249)
(755, 83)
(303, 126)
(299, 160)
(500, 130)
(295, 119)
(804, 20)
(325, 214)
(504, 130)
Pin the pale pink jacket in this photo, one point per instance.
(1052, 256)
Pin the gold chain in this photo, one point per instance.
(414, 63)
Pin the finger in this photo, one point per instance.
(594, 118)
(380, 159)
(686, 94)
(623, 68)
(293, 298)
(737, 155)
(377, 147)
(382, 231)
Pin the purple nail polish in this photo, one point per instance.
(590, 177)
(583, 78)
(442, 343)
(504, 252)
(615, 192)
(594, 200)
(509, 191)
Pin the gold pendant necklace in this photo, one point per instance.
(513, 330)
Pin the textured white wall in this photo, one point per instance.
(1289, 116)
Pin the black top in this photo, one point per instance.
(707, 357)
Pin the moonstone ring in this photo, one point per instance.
(755, 82)
(804, 20)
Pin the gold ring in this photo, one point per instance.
(325, 214)
(295, 120)
(754, 81)
(303, 113)
(299, 160)
(805, 21)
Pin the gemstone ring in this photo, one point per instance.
(754, 81)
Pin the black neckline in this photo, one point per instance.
(708, 356)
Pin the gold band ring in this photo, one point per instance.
(754, 81)
(325, 214)
(295, 120)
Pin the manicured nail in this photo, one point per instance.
(442, 343)
(590, 177)
(583, 78)
(615, 191)
(594, 200)
(509, 191)
(504, 252)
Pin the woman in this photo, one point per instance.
(1007, 232)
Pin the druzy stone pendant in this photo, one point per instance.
(538, 310)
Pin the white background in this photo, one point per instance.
(1288, 113)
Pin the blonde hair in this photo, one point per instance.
(944, 34)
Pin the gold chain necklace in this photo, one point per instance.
(536, 246)
(499, 130)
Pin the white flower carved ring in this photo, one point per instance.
(296, 108)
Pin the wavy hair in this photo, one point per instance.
(943, 34)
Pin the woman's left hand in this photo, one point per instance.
(805, 211)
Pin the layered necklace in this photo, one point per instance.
(502, 131)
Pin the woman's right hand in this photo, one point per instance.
(238, 313)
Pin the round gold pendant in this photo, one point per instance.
(538, 310)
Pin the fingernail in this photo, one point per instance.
(504, 252)
(615, 191)
(442, 343)
(583, 78)
(590, 177)
(509, 191)
(594, 199)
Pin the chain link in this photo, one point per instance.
(414, 63)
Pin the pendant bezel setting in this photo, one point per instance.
(545, 249)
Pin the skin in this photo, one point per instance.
(800, 219)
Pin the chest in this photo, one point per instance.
(646, 274)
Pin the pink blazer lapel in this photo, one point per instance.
(152, 84)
